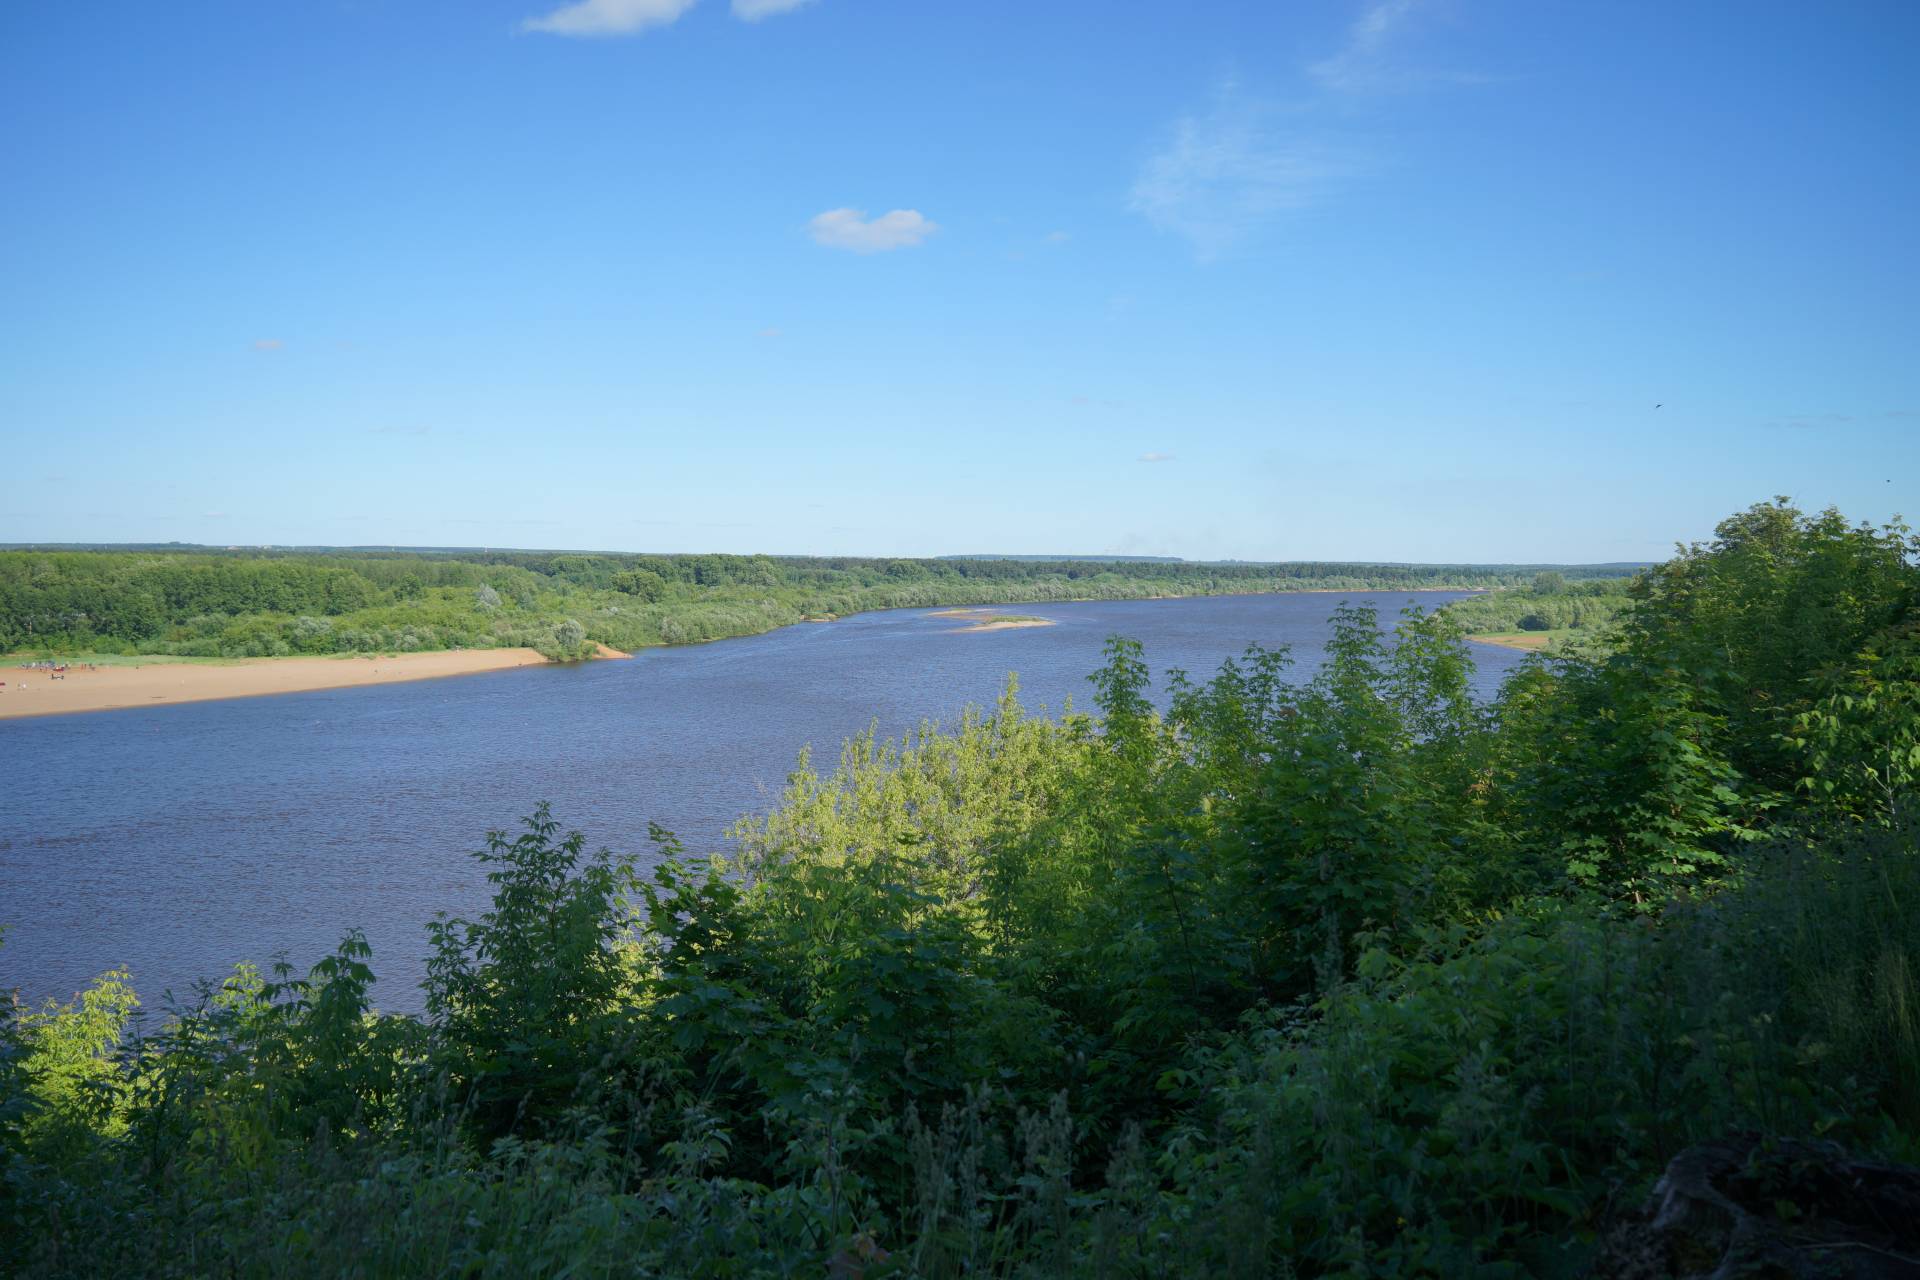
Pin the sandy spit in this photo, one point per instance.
(983, 619)
(1002, 624)
(1530, 641)
(36, 693)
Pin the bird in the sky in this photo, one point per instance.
(1656, 406)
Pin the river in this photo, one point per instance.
(177, 840)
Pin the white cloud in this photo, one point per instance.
(1058, 237)
(1357, 65)
(1224, 171)
(754, 10)
(1366, 63)
(609, 17)
(852, 229)
(267, 344)
(770, 331)
(1379, 21)
(1818, 421)
(1156, 456)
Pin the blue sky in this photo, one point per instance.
(1338, 279)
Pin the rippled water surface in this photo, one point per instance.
(178, 840)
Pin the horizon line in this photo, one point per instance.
(1062, 558)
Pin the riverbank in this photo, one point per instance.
(1531, 641)
(137, 683)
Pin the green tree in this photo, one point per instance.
(1857, 746)
(644, 584)
(524, 1000)
(73, 1087)
(1754, 618)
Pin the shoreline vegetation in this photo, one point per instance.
(1326, 974)
(269, 603)
(1549, 614)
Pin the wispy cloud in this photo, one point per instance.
(1059, 237)
(213, 515)
(1224, 171)
(1156, 456)
(492, 520)
(1358, 64)
(402, 431)
(693, 524)
(609, 17)
(267, 344)
(851, 229)
(631, 17)
(769, 332)
(1822, 421)
(754, 10)
(1370, 61)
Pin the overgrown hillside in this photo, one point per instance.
(1328, 974)
(258, 604)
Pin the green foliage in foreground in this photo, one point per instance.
(259, 604)
(1343, 975)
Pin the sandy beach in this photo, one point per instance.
(36, 693)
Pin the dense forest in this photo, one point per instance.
(1276, 972)
(270, 604)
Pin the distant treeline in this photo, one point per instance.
(270, 602)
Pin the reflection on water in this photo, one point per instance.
(177, 840)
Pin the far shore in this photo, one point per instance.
(137, 683)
